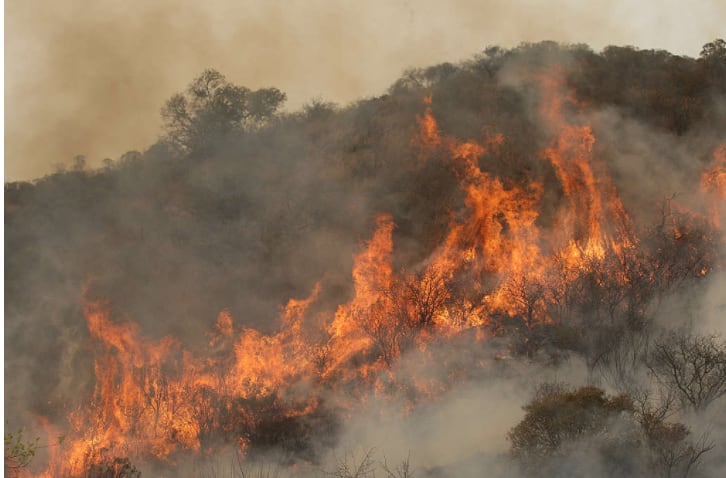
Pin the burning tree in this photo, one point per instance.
(530, 246)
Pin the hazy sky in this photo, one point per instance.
(89, 76)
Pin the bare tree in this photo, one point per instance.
(671, 450)
(684, 248)
(403, 470)
(349, 467)
(529, 294)
(365, 467)
(672, 453)
(693, 366)
(426, 294)
(390, 335)
(622, 360)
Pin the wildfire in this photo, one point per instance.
(156, 399)
(593, 203)
(428, 136)
(713, 182)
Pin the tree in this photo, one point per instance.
(558, 415)
(629, 441)
(713, 61)
(350, 467)
(528, 295)
(211, 108)
(693, 366)
(714, 50)
(671, 451)
(79, 163)
(404, 310)
(18, 452)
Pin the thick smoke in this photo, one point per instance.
(169, 241)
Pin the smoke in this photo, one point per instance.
(467, 423)
(460, 432)
(89, 77)
(168, 243)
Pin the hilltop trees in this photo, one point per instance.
(211, 108)
(713, 60)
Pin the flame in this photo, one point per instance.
(593, 201)
(713, 183)
(155, 399)
(372, 277)
(429, 136)
(265, 364)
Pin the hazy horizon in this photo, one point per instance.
(90, 77)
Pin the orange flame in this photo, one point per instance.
(154, 399)
(713, 182)
(593, 202)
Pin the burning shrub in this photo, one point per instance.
(520, 235)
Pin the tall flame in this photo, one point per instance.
(156, 399)
(713, 182)
(593, 202)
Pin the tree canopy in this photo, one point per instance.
(212, 108)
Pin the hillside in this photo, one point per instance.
(257, 278)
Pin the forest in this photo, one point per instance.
(511, 264)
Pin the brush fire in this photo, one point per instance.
(527, 266)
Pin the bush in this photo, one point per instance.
(561, 424)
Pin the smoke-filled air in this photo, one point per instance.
(508, 266)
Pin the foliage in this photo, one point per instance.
(560, 419)
(282, 199)
(19, 452)
(713, 63)
(558, 415)
(212, 108)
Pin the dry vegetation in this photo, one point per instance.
(522, 210)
